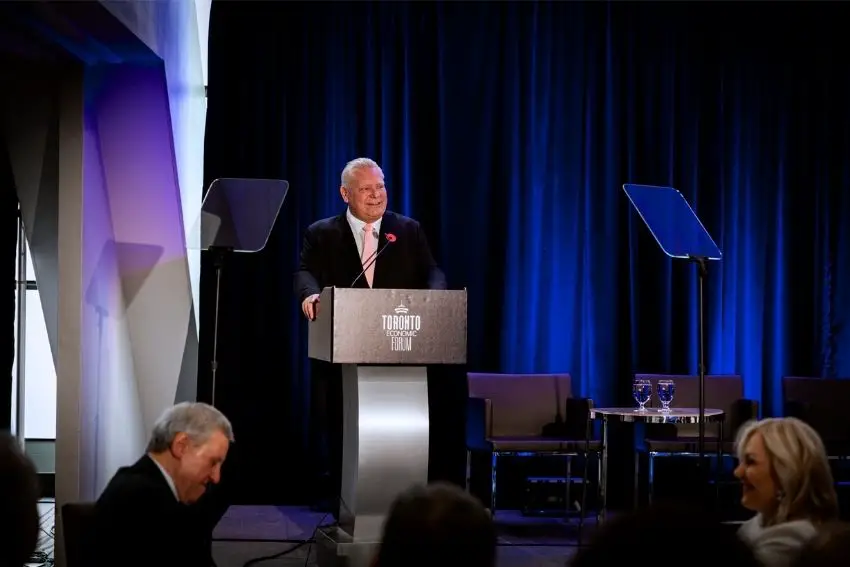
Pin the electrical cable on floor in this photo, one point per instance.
(315, 530)
(289, 550)
(40, 558)
(43, 556)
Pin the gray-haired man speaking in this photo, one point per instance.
(159, 502)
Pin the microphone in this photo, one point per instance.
(374, 257)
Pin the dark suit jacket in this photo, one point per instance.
(138, 522)
(329, 257)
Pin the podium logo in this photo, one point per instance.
(401, 327)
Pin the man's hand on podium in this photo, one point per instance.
(310, 306)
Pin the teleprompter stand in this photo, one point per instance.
(237, 216)
(681, 235)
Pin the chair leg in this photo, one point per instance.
(569, 503)
(718, 471)
(586, 456)
(599, 487)
(494, 461)
(636, 481)
(584, 484)
(651, 475)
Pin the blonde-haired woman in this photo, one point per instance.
(786, 480)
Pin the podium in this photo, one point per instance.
(383, 338)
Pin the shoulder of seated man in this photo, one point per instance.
(129, 485)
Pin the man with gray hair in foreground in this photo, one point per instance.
(157, 511)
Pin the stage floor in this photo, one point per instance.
(248, 532)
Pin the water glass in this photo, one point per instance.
(666, 391)
(641, 391)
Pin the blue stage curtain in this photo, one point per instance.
(508, 129)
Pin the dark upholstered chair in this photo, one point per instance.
(725, 392)
(77, 522)
(823, 403)
(519, 414)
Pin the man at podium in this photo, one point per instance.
(367, 246)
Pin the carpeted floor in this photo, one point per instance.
(523, 542)
(248, 533)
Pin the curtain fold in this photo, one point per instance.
(508, 129)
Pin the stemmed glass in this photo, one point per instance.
(666, 391)
(641, 391)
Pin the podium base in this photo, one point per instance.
(336, 548)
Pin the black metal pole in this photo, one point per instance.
(219, 256)
(701, 274)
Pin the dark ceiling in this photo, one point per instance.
(67, 31)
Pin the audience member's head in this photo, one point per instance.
(437, 524)
(831, 548)
(190, 441)
(666, 531)
(19, 488)
(785, 473)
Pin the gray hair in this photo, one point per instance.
(800, 465)
(197, 420)
(354, 165)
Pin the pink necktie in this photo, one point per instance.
(370, 245)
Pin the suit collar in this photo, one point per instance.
(388, 225)
(358, 225)
(342, 218)
(348, 254)
(166, 476)
(151, 469)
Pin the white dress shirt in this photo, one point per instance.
(167, 476)
(357, 228)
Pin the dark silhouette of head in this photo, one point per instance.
(18, 503)
(435, 524)
(667, 529)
